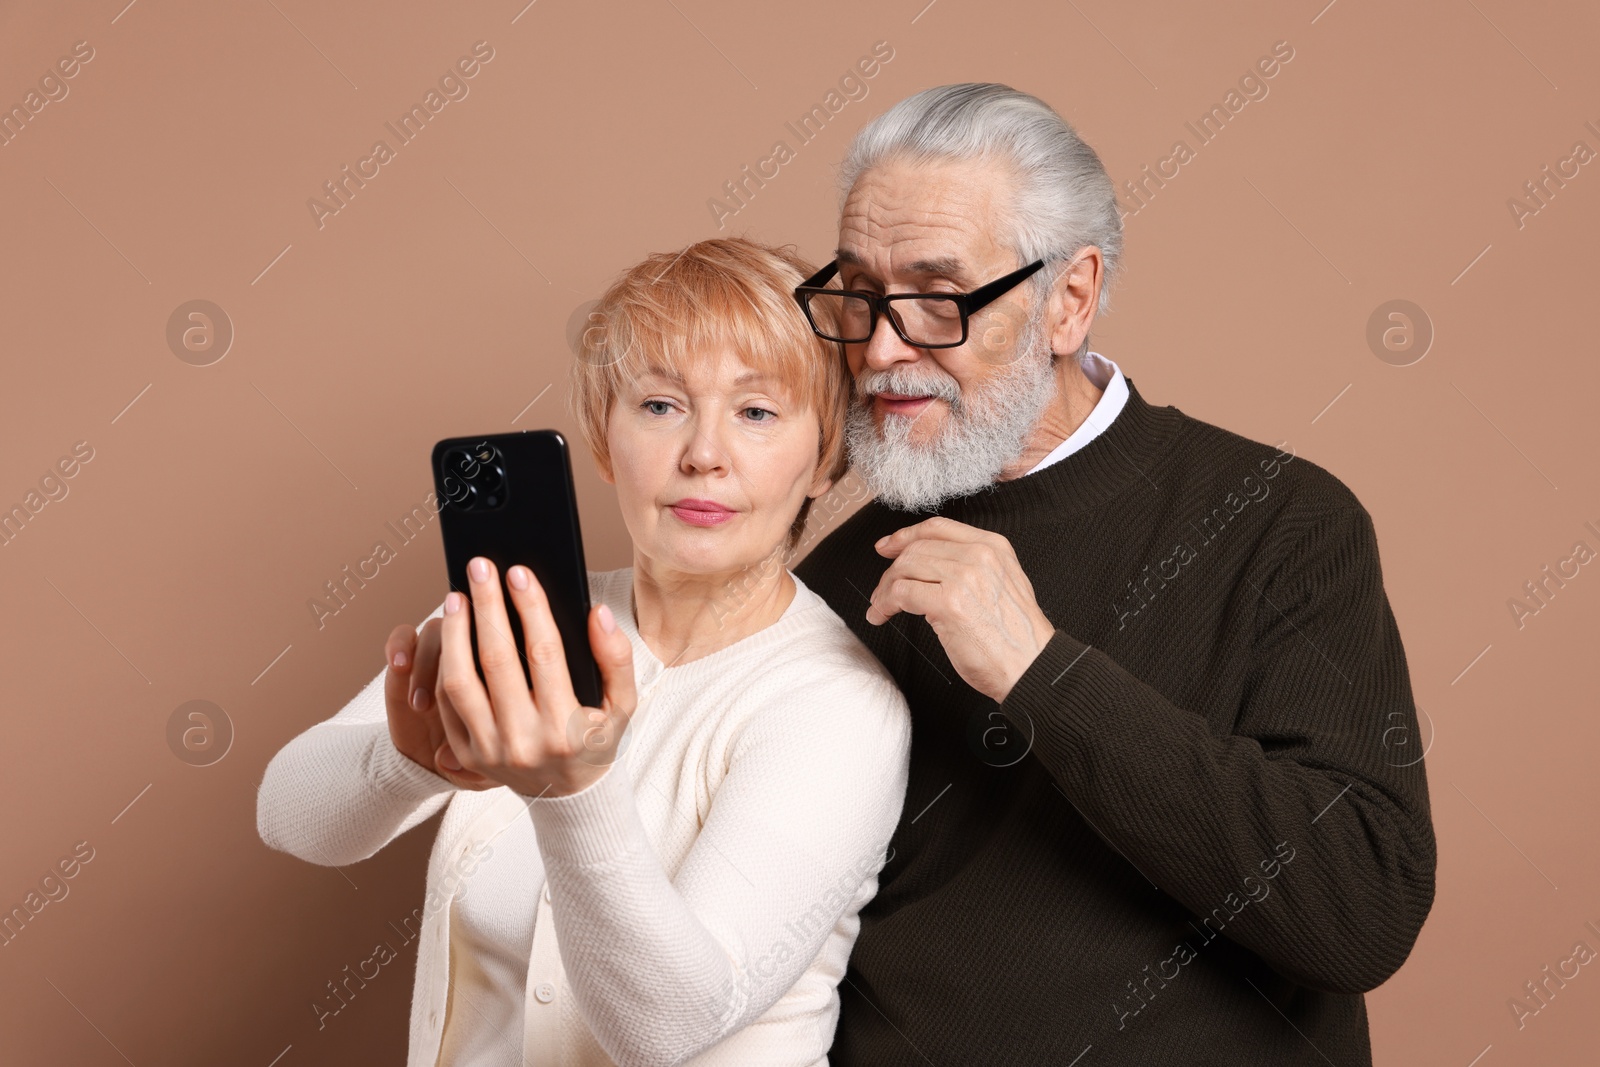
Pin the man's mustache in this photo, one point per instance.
(905, 383)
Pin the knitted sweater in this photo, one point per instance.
(702, 894)
(1197, 828)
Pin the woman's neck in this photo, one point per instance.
(682, 617)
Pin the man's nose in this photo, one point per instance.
(885, 347)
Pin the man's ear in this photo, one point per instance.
(1074, 299)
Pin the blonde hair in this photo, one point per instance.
(722, 293)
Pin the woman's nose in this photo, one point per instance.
(704, 449)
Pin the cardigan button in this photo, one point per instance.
(544, 992)
(547, 892)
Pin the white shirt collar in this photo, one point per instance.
(1106, 376)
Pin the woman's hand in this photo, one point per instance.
(539, 743)
(414, 724)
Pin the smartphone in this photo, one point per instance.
(509, 498)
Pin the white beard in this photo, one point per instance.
(982, 434)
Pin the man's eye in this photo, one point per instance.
(657, 407)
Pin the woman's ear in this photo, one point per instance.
(819, 485)
(820, 482)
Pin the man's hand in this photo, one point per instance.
(969, 586)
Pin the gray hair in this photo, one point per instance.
(1064, 200)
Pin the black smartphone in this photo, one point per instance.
(509, 498)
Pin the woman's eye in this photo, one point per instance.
(657, 407)
(759, 414)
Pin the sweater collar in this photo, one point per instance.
(1124, 455)
(616, 590)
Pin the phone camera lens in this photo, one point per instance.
(474, 477)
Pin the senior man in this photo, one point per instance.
(1164, 806)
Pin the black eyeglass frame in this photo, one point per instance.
(966, 303)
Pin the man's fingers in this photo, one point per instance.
(975, 553)
(929, 563)
(904, 594)
(938, 527)
(923, 567)
(547, 657)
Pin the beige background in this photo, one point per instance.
(220, 498)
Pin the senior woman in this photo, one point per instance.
(690, 894)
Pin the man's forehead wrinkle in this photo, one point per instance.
(957, 211)
(907, 225)
(873, 215)
(915, 248)
(927, 231)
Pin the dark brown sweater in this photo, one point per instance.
(1197, 830)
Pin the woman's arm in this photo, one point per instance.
(340, 791)
(663, 969)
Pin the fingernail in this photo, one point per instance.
(452, 603)
(399, 659)
(608, 623)
(420, 697)
(446, 758)
(478, 569)
(518, 577)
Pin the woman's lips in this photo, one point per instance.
(702, 512)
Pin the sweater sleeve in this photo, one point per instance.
(663, 969)
(1309, 807)
(340, 791)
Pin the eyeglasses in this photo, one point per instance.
(923, 320)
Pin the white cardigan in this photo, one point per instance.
(697, 903)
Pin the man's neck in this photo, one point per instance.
(1075, 398)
